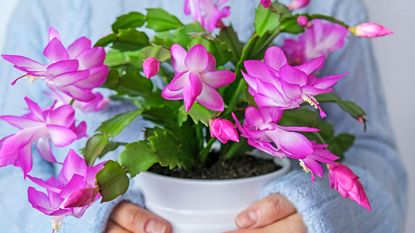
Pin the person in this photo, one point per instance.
(289, 204)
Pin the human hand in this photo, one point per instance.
(130, 218)
(273, 214)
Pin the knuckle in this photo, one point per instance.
(136, 218)
(273, 205)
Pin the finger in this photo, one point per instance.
(291, 224)
(266, 211)
(114, 228)
(138, 220)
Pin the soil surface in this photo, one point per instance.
(240, 167)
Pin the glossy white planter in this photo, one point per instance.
(201, 206)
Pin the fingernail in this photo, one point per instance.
(247, 219)
(154, 226)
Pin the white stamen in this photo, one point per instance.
(305, 168)
(311, 102)
(57, 223)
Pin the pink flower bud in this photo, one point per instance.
(266, 3)
(370, 30)
(348, 185)
(223, 130)
(151, 67)
(302, 21)
(298, 4)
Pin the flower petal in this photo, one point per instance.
(55, 51)
(219, 78)
(81, 198)
(78, 93)
(69, 78)
(168, 94)
(39, 201)
(275, 58)
(79, 46)
(34, 108)
(192, 89)
(63, 116)
(178, 81)
(211, 99)
(23, 63)
(45, 150)
(20, 122)
(299, 129)
(61, 136)
(91, 58)
(312, 66)
(259, 70)
(293, 76)
(53, 33)
(61, 67)
(328, 81)
(197, 59)
(97, 77)
(178, 56)
(72, 165)
(295, 145)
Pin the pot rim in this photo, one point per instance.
(284, 163)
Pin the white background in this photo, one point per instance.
(396, 57)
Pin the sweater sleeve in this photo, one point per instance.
(374, 157)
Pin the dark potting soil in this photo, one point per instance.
(215, 169)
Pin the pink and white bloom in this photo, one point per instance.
(263, 132)
(209, 13)
(196, 78)
(266, 3)
(370, 30)
(348, 185)
(53, 126)
(71, 193)
(223, 130)
(151, 67)
(275, 83)
(298, 4)
(74, 70)
(321, 39)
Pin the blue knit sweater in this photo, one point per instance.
(374, 157)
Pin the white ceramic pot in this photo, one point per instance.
(203, 206)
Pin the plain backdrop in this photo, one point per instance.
(396, 58)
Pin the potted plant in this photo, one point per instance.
(191, 163)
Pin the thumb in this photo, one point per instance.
(266, 211)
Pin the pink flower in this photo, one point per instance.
(266, 3)
(209, 13)
(263, 132)
(55, 125)
(298, 4)
(71, 193)
(321, 39)
(223, 130)
(196, 78)
(274, 83)
(74, 70)
(151, 67)
(370, 30)
(320, 155)
(348, 185)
